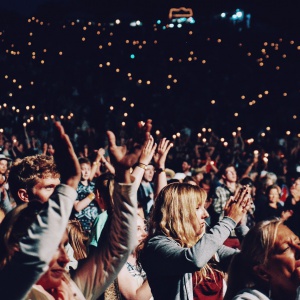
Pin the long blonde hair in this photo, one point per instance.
(77, 239)
(256, 249)
(174, 215)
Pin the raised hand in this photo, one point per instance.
(148, 150)
(65, 157)
(124, 157)
(238, 205)
(163, 149)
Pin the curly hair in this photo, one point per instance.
(25, 173)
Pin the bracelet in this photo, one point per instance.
(143, 166)
(160, 170)
(91, 196)
(97, 163)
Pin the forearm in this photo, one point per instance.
(160, 181)
(109, 167)
(79, 205)
(103, 265)
(211, 242)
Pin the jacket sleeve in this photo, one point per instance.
(38, 247)
(103, 264)
(168, 257)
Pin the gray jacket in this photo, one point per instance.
(169, 266)
(38, 246)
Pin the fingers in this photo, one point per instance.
(164, 145)
(62, 136)
(59, 128)
(229, 202)
(242, 195)
(148, 144)
(111, 138)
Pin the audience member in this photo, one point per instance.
(85, 208)
(177, 244)
(292, 205)
(267, 266)
(30, 233)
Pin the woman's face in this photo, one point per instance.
(85, 171)
(52, 278)
(141, 229)
(202, 214)
(283, 267)
(273, 196)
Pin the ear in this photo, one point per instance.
(23, 195)
(261, 273)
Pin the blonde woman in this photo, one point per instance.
(178, 245)
(268, 266)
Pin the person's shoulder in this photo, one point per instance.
(161, 240)
(250, 294)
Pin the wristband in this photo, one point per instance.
(143, 166)
(91, 196)
(96, 163)
(159, 170)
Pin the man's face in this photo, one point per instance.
(185, 166)
(230, 174)
(43, 190)
(3, 166)
(295, 188)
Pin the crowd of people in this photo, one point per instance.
(146, 217)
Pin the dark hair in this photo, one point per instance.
(189, 178)
(104, 184)
(84, 160)
(223, 168)
(273, 187)
(247, 181)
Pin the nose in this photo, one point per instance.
(144, 234)
(63, 257)
(205, 214)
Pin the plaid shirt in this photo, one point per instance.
(220, 198)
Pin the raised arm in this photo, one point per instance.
(145, 158)
(170, 257)
(42, 237)
(118, 239)
(160, 164)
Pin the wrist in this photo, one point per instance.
(142, 165)
(160, 170)
(91, 196)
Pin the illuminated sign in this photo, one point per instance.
(180, 12)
